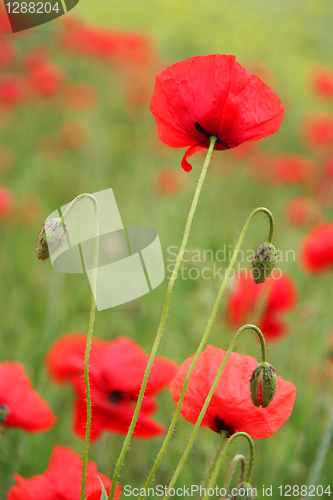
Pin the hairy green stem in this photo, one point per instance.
(89, 334)
(322, 452)
(225, 449)
(206, 335)
(158, 337)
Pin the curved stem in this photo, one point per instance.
(206, 335)
(208, 399)
(232, 468)
(215, 459)
(89, 335)
(164, 315)
(322, 452)
(225, 449)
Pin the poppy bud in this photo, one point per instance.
(50, 238)
(263, 384)
(243, 491)
(263, 263)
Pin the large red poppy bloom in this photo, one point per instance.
(116, 372)
(62, 480)
(317, 249)
(262, 304)
(23, 407)
(212, 96)
(231, 408)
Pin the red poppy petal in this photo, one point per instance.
(193, 149)
(66, 357)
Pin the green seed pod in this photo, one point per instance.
(263, 263)
(243, 491)
(263, 384)
(50, 239)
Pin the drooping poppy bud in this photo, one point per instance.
(263, 384)
(50, 239)
(243, 491)
(263, 263)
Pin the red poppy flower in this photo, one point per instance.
(62, 480)
(24, 407)
(302, 210)
(322, 82)
(116, 372)
(293, 169)
(212, 96)
(268, 301)
(45, 79)
(317, 249)
(169, 181)
(231, 408)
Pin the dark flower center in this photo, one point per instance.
(220, 426)
(4, 412)
(208, 135)
(115, 397)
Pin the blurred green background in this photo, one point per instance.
(119, 148)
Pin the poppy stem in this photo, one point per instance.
(209, 397)
(207, 332)
(232, 468)
(89, 335)
(158, 337)
(224, 451)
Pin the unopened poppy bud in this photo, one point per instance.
(263, 263)
(50, 239)
(243, 491)
(263, 384)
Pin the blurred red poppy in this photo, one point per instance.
(6, 201)
(212, 96)
(318, 131)
(322, 82)
(45, 79)
(231, 408)
(62, 480)
(23, 407)
(317, 249)
(12, 90)
(119, 47)
(7, 52)
(302, 210)
(169, 181)
(116, 372)
(81, 96)
(262, 304)
(294, 169)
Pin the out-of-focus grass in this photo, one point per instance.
(38, 305)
